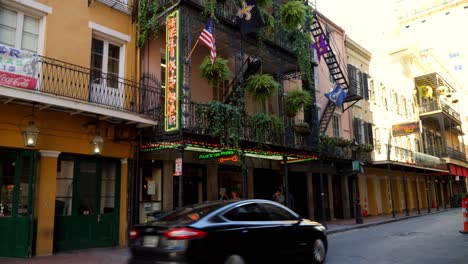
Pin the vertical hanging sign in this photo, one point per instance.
(171, 107)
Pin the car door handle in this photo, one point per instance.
(245, 231)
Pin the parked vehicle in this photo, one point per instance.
(232, 231)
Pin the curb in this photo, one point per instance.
(359, 226)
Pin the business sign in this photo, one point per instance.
(406, 128)
(178, 167)
(171, 106)
(217, 155)
(17, 68)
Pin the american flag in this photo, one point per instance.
(208, 37)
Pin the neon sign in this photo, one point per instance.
(216, 155)
(171, 106)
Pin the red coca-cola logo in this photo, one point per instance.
(17, 81)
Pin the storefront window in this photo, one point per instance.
(87, 188)
(63, 203)
(24, 186)
(7, 170)
(230, 183)
(108, 188)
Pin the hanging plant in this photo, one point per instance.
(292, 14)
(147, 25)
(425, 91)
(269, 22)
(215, 73)
(302, 128)
(264, 3)
(222, 121)
(209, 7)
(366, 148)
(261, 86)
(296, 100)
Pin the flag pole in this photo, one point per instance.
(194, 46)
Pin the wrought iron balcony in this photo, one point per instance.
(125, 6)
(456, 154)
(227, 10)
(439, 106)
(71, 81)
(402, 155)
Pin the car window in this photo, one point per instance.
(276, 213)
(190, 213)
(247, 212)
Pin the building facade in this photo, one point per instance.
(68, 124)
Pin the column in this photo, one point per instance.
(168, 185)
(46, 193)
(212, 182)
(123, 202)
(310, 196)
(330, 196)
(250, 182)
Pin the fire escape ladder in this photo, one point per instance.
(253, 65)
(327, 116)
(335, 70)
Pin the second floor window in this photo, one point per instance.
(19, 30)
(336, 126)
(105, 62)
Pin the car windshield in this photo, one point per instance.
(190, 213)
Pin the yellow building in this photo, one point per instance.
(69, 113)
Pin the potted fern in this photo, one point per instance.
(215, 73)
(296, 100)
(292, 14)
(261, 87)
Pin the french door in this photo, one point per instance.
(17, 177)
(87, 203)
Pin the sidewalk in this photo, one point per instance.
(120, 255)
(341, 225)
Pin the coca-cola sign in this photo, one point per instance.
(17, 81)
(17, 68)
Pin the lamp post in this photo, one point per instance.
(354, 149)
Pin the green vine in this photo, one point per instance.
(223, 121)
(147, 25)
(209, 7)
(302, 45)
(266, 128)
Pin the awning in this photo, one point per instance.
(457, 170)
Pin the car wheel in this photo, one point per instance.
(319, 251)
(234, 259)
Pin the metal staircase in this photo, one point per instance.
(335, 71)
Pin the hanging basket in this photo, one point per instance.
(302, 129)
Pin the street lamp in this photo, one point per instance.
(356, 168)
(97, 144)
(30, 134)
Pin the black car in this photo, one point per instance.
(240, 231)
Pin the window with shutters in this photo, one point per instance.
(336, 125)
(19, 30)
(364, 86)
(371, 91)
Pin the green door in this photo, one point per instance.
(87, 204)
(17, 177)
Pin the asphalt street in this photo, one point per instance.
(427, 239)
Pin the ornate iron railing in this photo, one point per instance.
(453, 153)
(72, 81)
(125, 6)
(437, 105)
(407, 156)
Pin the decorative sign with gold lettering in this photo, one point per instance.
(171, 107)
(406, 128)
